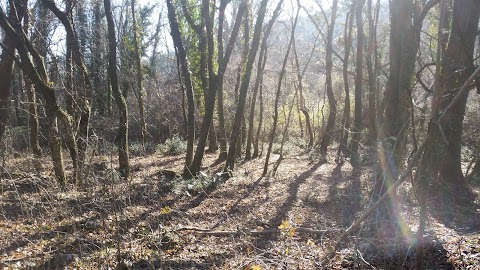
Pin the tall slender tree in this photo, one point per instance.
(236, 129)
(260, 70)
(357, 125)
(122, 135)
(277, 94)
(332, 103)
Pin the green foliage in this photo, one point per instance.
(173, 146)
(195, 185)
(136, 148)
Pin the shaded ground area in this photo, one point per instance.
(143, 222)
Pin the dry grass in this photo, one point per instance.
(135, 222)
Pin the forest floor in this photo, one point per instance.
(155, 221)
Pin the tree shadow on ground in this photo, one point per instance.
(282, 210)
(389, 256)
(292, 192)
(344, 198)
(448, 208)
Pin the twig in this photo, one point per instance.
(369, 211)
(252, 232)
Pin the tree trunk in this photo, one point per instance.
(232, 151)
(328, 132)
(372, 85)
(32, 117)
(6, 77)
(122, 136)
(357, 126)
(457, 65)
(187, 83)
(139, 80)
(301, 99)
(343, 147)
(260, 120)
(82, 98)
(212, 82)
(277, 95)
(260, 69)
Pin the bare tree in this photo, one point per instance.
(328, 132)
(236, 129)
(277, 94)
(122, 136)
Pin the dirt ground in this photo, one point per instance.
(286, 221)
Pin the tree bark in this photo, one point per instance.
(122, 136)
(457, 65)
(372, 85)
(260, 69)
(236, 129)
(187, 83)
(332, 104)
(301, 99)
(6, 76)
(139, 79)
(37, 74)
(260, 119)
(277, 95)
(357, 125)
(343, 147)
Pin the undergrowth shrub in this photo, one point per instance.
(136, 148)
(202, 183)
(173, 146)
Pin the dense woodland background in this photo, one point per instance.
(190, 98)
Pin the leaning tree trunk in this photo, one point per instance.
(328, 132)
(277, 95)
(37, 74)
(214, 79)
(82, 98)
(236, 129)
(223, 62)
(187, 83)
(122, 136)
(260, 70)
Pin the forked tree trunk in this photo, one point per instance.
(37, 74)
(82, 98)
(301, 99)
(187, 83)
(404, 43)
(223, 62)
(6, 77)
(236, 129)
(332, 104)
(277, 94)
(343, 147)
(260, 69)
(212, 81)
(122, 135)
